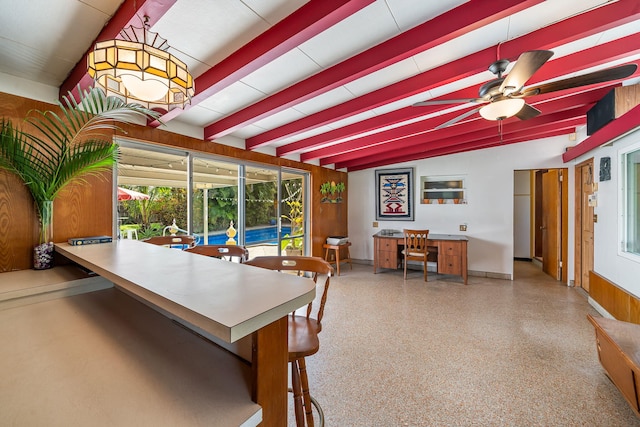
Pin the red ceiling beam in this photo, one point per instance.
(470, 128)
(303, 24)
(575, 62)
(454, 23)
(557, 120)
(620, 126)
(471, 147)
(566, 31)
(129, 13)
(400, 134)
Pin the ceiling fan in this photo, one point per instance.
(503, 97)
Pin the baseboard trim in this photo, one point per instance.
(431, 268)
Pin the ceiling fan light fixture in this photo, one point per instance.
(139, 69)
(502, 109)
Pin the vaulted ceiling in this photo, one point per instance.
(334, 82)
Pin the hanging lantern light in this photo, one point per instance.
(138, 68)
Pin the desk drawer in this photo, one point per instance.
(390, 245)
(450, 248)
(388, 259)
(448, 264)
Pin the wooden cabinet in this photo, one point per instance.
(450, 251)
(618, 345)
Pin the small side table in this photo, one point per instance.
(336, 249)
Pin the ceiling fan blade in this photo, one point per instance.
(447, 101)
(458, 118)
(601, 76)
(527, 112)
(528, 63)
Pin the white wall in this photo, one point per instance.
(489, 211)
(522, 215)
(609, 261)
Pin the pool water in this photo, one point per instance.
(268, 235)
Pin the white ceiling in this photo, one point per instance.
(42, 40)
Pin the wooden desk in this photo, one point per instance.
(216, 298)
(449, 251)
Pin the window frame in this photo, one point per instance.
(623, 205)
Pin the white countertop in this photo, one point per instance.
(227, 300)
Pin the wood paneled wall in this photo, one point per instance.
(618, 302)
(86, 209)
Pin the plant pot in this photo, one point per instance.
(293, 252)
(43, 256)
(43, 253)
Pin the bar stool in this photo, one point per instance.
(302, 330)
(336, 249)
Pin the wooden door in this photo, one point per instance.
(551, 223)
(583, 224)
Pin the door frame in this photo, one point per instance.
(564, 216)
(579, 220)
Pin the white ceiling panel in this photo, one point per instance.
(410, 13)
(232, 98)
(387, 76)
(278, 74)
(325, 100)
(209, 33)
(370, 26)
(274, 11)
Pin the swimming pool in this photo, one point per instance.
(268, 235)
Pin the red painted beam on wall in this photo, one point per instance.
(572, 29)
(129, 13)
(308, 21)
(487, 144)
(471, 127)
(454, 23)
(548, 122)
(618, 127)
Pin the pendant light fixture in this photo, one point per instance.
(138, 69)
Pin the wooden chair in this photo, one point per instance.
(226, 252)
(303, 329)
(415, 248)
(183, 242)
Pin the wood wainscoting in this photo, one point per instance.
(618, 302)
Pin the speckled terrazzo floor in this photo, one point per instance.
(493, 353)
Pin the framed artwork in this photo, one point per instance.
(394, 194)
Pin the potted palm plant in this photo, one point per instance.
(64, 148)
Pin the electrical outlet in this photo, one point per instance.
(463, 227)
(375, 224)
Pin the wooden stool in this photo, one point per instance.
(336, 249)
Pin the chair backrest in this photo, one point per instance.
(315, 266)
(227, 252)
(415, 240)
(182, 241)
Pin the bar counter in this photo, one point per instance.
(121, 355)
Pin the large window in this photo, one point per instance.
(262, 207)
(630, 180)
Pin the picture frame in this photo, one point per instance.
(394, 194)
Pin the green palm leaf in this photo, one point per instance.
(71, 145)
